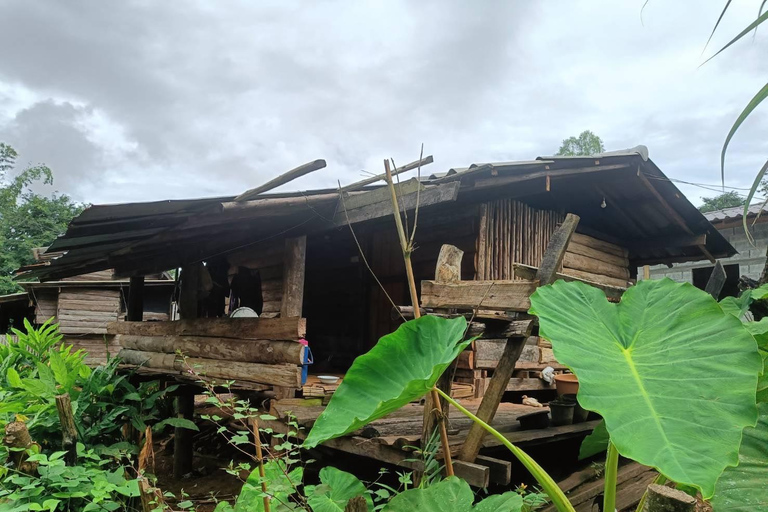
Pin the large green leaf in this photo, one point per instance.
(743, 488)
(452, 495)
(336, 489)
(402, 367)
(673, 376)
(596, 442)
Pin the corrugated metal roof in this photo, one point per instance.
(643, 209)
(736, 212)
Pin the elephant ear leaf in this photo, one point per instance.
(673, 375)
(596, 442)
(401, 368)
(452, 495)
(743, 489)
(336, 489)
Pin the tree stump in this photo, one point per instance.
(666, 499)
(17, 436)
(68, 429)
(356, 504)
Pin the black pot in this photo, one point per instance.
(562, 412)
(534, 420)
(579, 413)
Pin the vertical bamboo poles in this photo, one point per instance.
(407, 247)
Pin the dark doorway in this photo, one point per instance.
(731, 287)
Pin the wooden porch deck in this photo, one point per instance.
(392, 439)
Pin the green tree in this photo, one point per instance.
(587, 143)
(27, 219)
(724, 200)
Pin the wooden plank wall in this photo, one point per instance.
(512, 232)
(46, 302)
(596, 260)
(268, 260)
(87, 310)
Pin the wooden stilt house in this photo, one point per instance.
(325, 265)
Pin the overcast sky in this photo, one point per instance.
(147, 100)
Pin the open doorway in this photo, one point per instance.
(731, 286)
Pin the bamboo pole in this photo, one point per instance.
(260, 460)
(404, 244)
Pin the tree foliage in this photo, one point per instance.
(27, 219)
(587, 143)
(724, 200)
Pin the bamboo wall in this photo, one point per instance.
(512, 232)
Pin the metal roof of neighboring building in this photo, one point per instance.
(621, 197)
(736, 212)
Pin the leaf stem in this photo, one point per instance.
(611, 475)
(547, 484)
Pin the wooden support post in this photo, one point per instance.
(182, 437)
(189, 294)
(547, 273)
(68, 428)
(294, 269)
(448, 270)
(666, 499)
(716, 281)
(136, 299)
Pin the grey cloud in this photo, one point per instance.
(210, 98)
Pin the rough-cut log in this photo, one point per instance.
(585, 264)
(68, 428)
(276, 374)
(589, 278)
(661, 498)
(599, 245)
(293, 328)
(555, 252)
(380, 177)
(293, 276)
(448, 269)
(17, 437)
(589, 252)
(498, 295)
(250, 351)
(281, 180)
(612, 292)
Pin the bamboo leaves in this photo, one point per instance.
(672, 374)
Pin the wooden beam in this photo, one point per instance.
(716, 281)
(497, 295)
(673, 213)
(667, 242)
(555, 252)
(289, 329)
(529, 272)
(407, 167)
(553, 173)
(227, 349)
(431, 196)
(136, 299)
(282, 179)
(358, 200)
(500, 470)
(546, 274)
(475, 475)
(294, 269)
